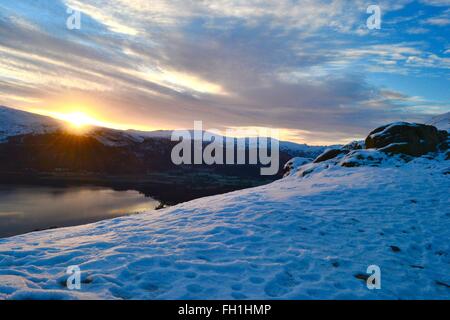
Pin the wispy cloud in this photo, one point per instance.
(303, 66)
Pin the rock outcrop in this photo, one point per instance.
(293, 164)
(392, 144)
(330, 154)
(406, 138)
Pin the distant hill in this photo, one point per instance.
(41, 150)
(16, 122)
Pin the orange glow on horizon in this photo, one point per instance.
(78, 119)
(81, 120)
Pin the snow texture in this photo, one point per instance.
(15, 122)
(441, 122)
(306, 236)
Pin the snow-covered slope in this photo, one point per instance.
(16, 122)
(305, 236)
(441, 122)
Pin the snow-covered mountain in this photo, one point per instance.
(301, 150)
(16, 122)
(310, 235)
(295, 149)
(441, 122)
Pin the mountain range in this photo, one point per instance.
(39, 149)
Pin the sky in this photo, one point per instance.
(311, 68)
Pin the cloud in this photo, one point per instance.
(438, 3)
(305, 16)
(442, 20)
(417, 30)
(437, 21)
(101, 15)
(303, 68)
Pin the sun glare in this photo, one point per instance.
(79, 119)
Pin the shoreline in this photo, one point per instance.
(170, 188)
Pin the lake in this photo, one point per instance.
(24, 209)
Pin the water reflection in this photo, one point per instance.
(26, 209)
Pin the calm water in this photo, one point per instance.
(26, 209)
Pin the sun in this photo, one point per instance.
(79, 119)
